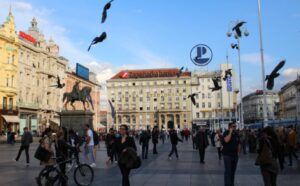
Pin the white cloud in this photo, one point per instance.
(254, 58)
(22, 6)
(291, 73)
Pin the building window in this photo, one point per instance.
(148, 107)
(203, 96)
(169, 98)
(8, 59)
(155, 99)
(203, 105)
(7, 81)
(177, 105)
(177, 98)
(148, 99)
(169, 105)
(162, 106)
(141, 99)
(184, 90)
(197, 105)
(209, 95)
(10, 104)
(197, 115)
(184, 82)
(155, 107)
(12, 81)
(4, 103)
(169, 82)
(141, 108)
(209, 105)
(162, 98)
(126, 99)
(203, 114)
(133, 84)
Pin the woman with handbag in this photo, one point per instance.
(120, 147)
(46, 143)
(267, 159)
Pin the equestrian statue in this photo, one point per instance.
(83, 95)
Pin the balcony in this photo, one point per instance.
(8, 111)
(28, 105)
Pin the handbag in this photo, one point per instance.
(266, 156)
(130, 159)
(42, 154)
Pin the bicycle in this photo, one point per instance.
(52, 175)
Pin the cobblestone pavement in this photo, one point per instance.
(157, 170)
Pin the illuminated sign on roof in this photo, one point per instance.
(27, 37)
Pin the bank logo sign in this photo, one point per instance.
(201, 55)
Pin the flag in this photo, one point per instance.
(229, 83)
(113, 111)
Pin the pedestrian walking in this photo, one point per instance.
(155, 134)
(61, 150)
(282, 146)
(26, 140)
(268, 151)
(292, 145)
(89, 146)
(121, 146)
(109, 142)
(243, 137)
(174, 141)
(231, 149)
(202, 143)
(218, 138)
(144, 142)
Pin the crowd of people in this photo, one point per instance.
(271, 145)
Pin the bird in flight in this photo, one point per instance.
(274, 74)
(192, 97)
(105, 9)
(237, 28)
(216, 84)
(59, 84)
(227, 72)
(180, 72)
(98, 39)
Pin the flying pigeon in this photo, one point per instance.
(58, 85)
(104, 13)
(99, 39)
(233, 46)
(180, 72)
(237, 28)
(192, 96)
(216, 84)
(274, 74)
(227, 72)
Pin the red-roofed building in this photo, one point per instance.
(149, 97)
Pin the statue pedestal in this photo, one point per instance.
(76, 119)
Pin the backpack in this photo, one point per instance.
(96, 138)
(130, 159)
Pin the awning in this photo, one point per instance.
(11, 118)
(55, 121)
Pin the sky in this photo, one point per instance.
(160, 33)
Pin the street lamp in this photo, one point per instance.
(239, 31)
(262, 67)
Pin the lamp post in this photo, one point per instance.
(237, 46)
(262, 67)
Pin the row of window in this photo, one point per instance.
(217, 115)
(149, 83)
(7, 103)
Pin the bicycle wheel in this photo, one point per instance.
(48, 177)
(83, 175)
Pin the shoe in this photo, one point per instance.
(202, 162)
(93, 165)
(27, 164)
(170, 158)
(14, 160)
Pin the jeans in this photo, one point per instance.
(291, 154)
(219, 153)
(154, 148)
(230, 163)
(89, 150)
(202, 154)
(145, 148)
(26, 148)
(269, 177)
(174, 149)
(125, 175)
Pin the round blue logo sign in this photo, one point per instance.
(201, 55)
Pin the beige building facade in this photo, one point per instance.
(38, 69)
(213, 109)
(148, 98)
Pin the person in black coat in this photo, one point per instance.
(202, 143)
(155, 135)
(174, 141)
(144, 141)
(109, 142)
(120, 147)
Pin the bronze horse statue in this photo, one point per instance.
(83, 95)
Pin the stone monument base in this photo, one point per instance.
(76, 119)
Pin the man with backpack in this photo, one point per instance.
(144, 141)
(26, 140)
(89, 145)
